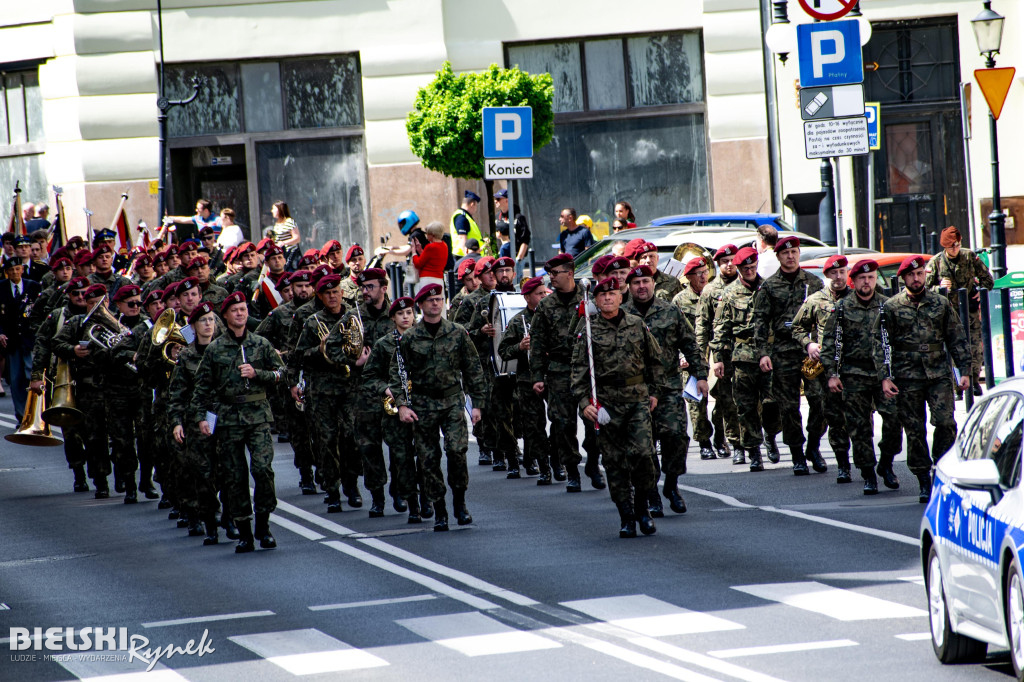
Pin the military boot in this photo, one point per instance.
(146, 485)
(799, 462)
(195, 525)
(499, 462)
(925, 482)
(350, 486)
(440, 516)
(573, 485)
(643, 516)
(737, 455)
(593, 472)
(671, 492)
(414, 510)
(183, 520)
(377, 503)
(131, 493)
(755, 459)
(118, 482)
(102, 491)
(722, 450)
(230, 530)
(80, 484)
(773, 450)
(513, 466)
(426, 508)
(459, 507)
(888, 475)
(399, 504)
(333, 502)
(706, 451)
(306, 483)
(210, 521)
(815, 458)
(246, 542)
(173, 514)
(557, 470)
(164, 503)
(262, 531)
(531, 467)
(654, 503)
(485, 458)
(627, 519)
(545, 476)
(870, 481)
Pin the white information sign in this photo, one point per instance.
(507, 169)
(833, 137)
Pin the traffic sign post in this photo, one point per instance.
(508, 152)
(872, 111)
(995, 84)
(830, 53)
(836, 137)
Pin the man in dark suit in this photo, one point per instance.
(31, 269)
(17, 295)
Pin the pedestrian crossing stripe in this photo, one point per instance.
(475, 634)
(834, 602)
(308, 652)
(649, 616)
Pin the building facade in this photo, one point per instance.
(665, 104)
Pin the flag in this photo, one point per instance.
(16, 223)
(120, 228)
(58, 231)
(270, 291)
(144, 231)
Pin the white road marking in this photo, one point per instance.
(916, 579)
(296, 528)
(313, 518)
(781, 648)
(308, 652)
(91, 667)
(425, 581)
(475, 634)
(451, 573)
(867, 530)
(207, 619)
(649, 616)
(844, 605)
(373, 602)
(915, 636)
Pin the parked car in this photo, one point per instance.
(888, 263)
(972, 535)
(750, 221)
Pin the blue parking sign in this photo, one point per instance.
(830, 53)
(508, 132)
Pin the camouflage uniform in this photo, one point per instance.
(463, 312)
(275, 328)
(303, 423)
(398, 436)
(497, 433)
(456, 302)
(550, 362)
(627, 369)
(666, 287)
(351, 294)
(434, 363)
(123, 392)
(723, 417)
(243, 418)
(214, 293)
(808, 327)
(733, 345)
(156, 376)
(775, 306)
(862, 381)
(536, 445)
(199, 476)
(688, 303)
(674, 335)
(920, 333)
(112, 281)
(966, 271)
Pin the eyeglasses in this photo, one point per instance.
(132, 304)
(367, 287)
(555, 273)
(76, 294)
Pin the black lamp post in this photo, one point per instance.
(988, 31)
(164, 105)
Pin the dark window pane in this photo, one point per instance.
(322, 93)
(606, 74)
(215, 111)
(4, 136)
(28, 170)
(562, 61)
(909, 150)
(33, 107)
(917, 61)
(658, 164)
(666, 69)
(1006, 445)
(261, 94)
(324, 184)
(977, 445)
(15, 109)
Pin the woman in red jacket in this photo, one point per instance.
(430, 255)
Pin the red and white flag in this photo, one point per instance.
(270, 291)
(121, 228)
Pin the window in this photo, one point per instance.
(917, 61)
(977, 440)
(21, 134)
(629, 125)
(1005, 448)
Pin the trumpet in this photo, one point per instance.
(166, 334)
(107, 331)
(300, 404)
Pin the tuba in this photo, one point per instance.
(107, 331)
(62, 410)
(166, 334)
(690, 250)
(33, 430)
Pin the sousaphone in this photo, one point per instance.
(33, 430)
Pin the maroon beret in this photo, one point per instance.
(485, 264)
(264, 244)
(170, 290)
(745, 256)
(725, 251)
(101, 249)
(864, 266)
(207, 231)
(281, 279)
(143, 260)
(466, 266)
(243, 248)
(319, 272)
(617, 263)
(273, 250)
(692, 265)
(403, 303)
(187, 245)
(78, 283)
(187, 284)
(328, 282)
(126, 292)
(76, 241)
(308, 260)
(84, 257)
(644, 248)
(558, 259)
(632, 245)
(158, 257)
(601, 264)
(152, 297)
(204, 308)
(301, 276)
(836, 261)
(354, 251)
(94, 290)
(790, 241)
(639, 271)
(532, 284)
(607, 284)
(428, 291)
(230, 300)
(910, 263)
(329, 247)
(949, 236)
(372, 275)
(60, 262)
(195, 263)
(504, 262)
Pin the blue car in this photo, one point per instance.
(750, 221)
(972, 535)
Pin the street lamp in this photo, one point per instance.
(988, 31)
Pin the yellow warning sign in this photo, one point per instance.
(154, 187)
(994, 84)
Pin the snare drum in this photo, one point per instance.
(504, 306)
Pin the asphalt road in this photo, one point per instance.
(766, 577)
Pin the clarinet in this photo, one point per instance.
(839, 337)
(402, 373)
(886, 348)
(526, 332)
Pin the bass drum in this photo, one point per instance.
(503, 307)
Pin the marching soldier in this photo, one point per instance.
(146, 442)
(199, 267)
(723, 416)
(957, 268)
(674, 335)
(733, 346)
(847, 352)
(466, 315)
(435, 352)
(667, 287)
(463, 312)
(355, 260)
(627, 372)
(808, 332)
(925, 331)
(688, 302)
(775, 306)
(469, 285)
(234, 375)
(53, 296)
(515, 345)
(104, 274)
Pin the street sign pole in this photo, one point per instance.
(840, 236)
(872, 242)
(977, 240)
(511, 219)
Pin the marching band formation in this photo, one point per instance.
(172, 369)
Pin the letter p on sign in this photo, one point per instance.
(819, 58)
(508, 132)
(830, 53)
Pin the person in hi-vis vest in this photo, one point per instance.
(462, 226)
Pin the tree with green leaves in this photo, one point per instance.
(445, 126)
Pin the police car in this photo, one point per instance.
(972, 535)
